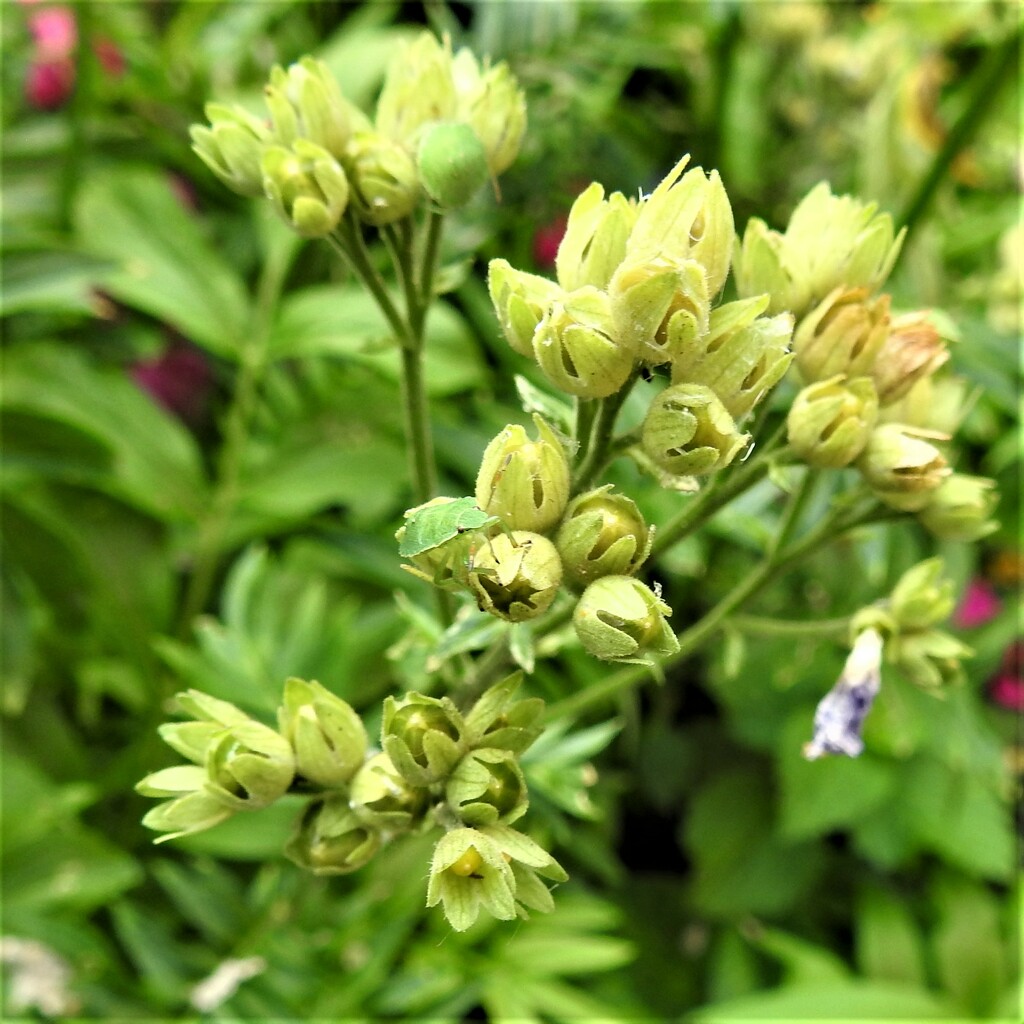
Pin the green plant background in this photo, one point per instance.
(715, 875)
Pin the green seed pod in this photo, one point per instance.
(329, 839)
(741, 356)
(689, 432)
(516, 577)
(488, 786)
(250, 766)
(326, 734)
(922, 597)
(307, 187)
(620, 619)
(305, 102)
(913, 350)
(521, 301)
(594, 243)
(423, 736)
(524, 483)
(385, 185)
(452, 163)
(961, 508)
(232, 147)
(902, 466)
(492, 103)
(843, 334)
(829, 422)
(577, 348)
(382, 799)
(603, 534)
(418, 89)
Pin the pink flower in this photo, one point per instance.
(179, 379)
(49, 83)
(54, 31)
(979, 604)
(546, 241)
(1007, 688)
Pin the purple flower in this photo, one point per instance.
(179, 379)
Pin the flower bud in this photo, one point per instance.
(922, 597)
(902, 466)
(423, 736)
(250, 766)
(843, 334)
(930, 658)
(190, 739)
(500, 722)
(452, 163)
(192, 807)
(603, 534)
(659, 306)
(306, 102)
(232, 147)
(520, 302)
(418, 88)
(577, 348)
(688, 431)
(960, 508)
(913, 350)
(385, 185)
(594, 243)
(516, 577)
(620, 619)
(487, 786)
(830, 421)
(761, 266)
(468, 872)
(329, 839)
(326, 734)
(204, 708)
(687, 217)
(741, 357)
(493, 105)
(933, 403)
(382, 799)
(307, 187)
(524, 483)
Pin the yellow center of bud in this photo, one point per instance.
(467, 864)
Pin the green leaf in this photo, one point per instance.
(165, 266)
(51, 282)
(888, 939)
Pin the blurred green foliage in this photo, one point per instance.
(715, 874)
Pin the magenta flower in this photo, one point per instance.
(546, 241)
(979, 604)
(1007, 688)
(179, 379)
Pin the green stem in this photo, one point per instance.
(586, 408)
(794, 510)
(428, 268)
(759, 625)
(832, 528)
(600, 437)
(999, 62)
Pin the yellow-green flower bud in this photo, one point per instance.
(689, 432)
(929, 658)
(761, 266)
(204, 708)
(385, 185)
(603, 534)
(524, 483)
(418, 89)
(192, 808)
(305, 102)
(307, 187)
(452, 163)
(961, 508)
(423, 736)
(619, 619)
(913, 349)
(594, 243)
(830, 421)
(934, 403)
(520, 301)
(577, 348)
(842, 334)
(498, 721)
(902, 466)
(250, 766)
(232, 147)
(741, 357)
(922, 597)
(658, 307)
(326, 734)
(494, 106)
(516, 577)
(686, 217)
(468, 873)
(382, 799)
(191, 739)
(329, 839)
(487, 787)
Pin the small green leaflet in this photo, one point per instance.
(431, 525)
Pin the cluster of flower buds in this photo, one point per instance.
(437, 767)
(520, 539)
(869, 376)
(636, 282)
(442, 127)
